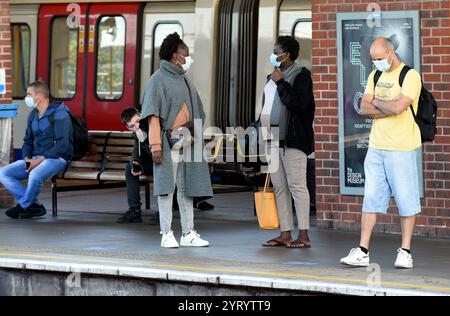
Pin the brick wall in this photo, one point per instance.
(5, 62)
(344, 212)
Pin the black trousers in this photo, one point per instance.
(133, 188)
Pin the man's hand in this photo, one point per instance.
(157, 157)
(136, 174)
(34, 163)
(277, 75)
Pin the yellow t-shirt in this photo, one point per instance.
(395, 132)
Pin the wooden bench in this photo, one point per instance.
(104, 164)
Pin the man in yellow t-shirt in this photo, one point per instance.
(390, 165)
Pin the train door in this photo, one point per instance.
(61, 53)
(295, 20)
(24, 25)
(90, 61)
(112, 81)
(161, 19)
(237, 50)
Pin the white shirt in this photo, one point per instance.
(269, 95)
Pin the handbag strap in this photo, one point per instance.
(190, 98)
(266, 185)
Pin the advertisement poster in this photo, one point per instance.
(355, 34)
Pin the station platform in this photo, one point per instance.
(40, 256)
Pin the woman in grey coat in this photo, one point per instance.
(171, 100)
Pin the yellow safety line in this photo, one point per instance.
(173, 266)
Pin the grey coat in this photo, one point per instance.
(164, 94)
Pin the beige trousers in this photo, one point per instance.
(289, 182)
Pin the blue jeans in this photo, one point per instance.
(11, 176)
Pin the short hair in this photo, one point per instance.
(289, 45)
(39, 86)
(170, 46)
(128, 114)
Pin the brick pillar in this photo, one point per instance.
(5, 62)
(344, 211)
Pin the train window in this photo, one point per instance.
(63, 59)
(303, 33)
(163, 29)
(20, 43)
(110, 57)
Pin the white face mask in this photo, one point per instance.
(383, 65)
(188, 62)
(141, 135)
(30, 102)
(274, 62)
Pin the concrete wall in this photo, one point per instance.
(37, 283)
(344, 212)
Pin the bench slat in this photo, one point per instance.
(86, 175)
(121, 142)
(119, 149)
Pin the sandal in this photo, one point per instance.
(275, 243)
(299, 244)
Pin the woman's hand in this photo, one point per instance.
(157, 157)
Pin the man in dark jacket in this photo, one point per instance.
(141, 163)
(47, 148)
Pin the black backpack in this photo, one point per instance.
(426, 109)
(79, 135)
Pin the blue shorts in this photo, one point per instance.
(390, 173)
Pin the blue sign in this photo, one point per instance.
(8, 110)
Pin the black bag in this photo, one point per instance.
(79, 135)
(426, 109)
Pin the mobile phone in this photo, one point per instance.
(27, 165)
(137, 168)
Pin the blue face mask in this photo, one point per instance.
(29, 102)
(383, 65)
(273, 60)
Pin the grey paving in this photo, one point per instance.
(86, 228)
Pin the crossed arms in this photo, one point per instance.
(375, 108)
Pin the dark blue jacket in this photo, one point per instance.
(43, 138)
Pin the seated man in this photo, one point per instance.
(141, 163)
(47, 148)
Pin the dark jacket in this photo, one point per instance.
(46, 138)
(299, 101)
(146, 154)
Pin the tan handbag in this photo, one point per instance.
(266, 207)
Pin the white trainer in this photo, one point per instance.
(168, 240)
(404, 259)
(356, 258)
(192, 239)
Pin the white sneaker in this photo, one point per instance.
(192, 239)
(357, 258)
(168, 240)
(404, 259)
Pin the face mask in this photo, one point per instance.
(383, 65)
(29, 102)
(141, 135)
(274, 62)
(188, 62)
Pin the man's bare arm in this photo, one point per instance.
(393, 107)
(368, 109)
